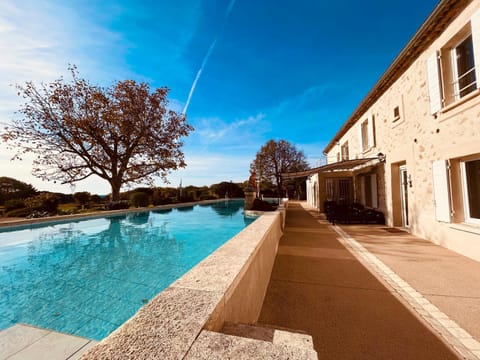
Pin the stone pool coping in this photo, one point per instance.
(185, 320)
(99, 214)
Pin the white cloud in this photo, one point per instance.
(215, 131)
(288, 107)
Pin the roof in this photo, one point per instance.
(444, 13)
(345, 165)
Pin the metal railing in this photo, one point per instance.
(460, 92)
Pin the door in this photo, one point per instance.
(404, 194)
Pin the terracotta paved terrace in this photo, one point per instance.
(319, 287)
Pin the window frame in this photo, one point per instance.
(441, 65)
(455, 83)
(396, 113)
(466, 203)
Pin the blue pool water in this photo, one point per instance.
(88, 277)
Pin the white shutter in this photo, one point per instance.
(373, 182)
(360, 146)
(441, 190)
(434, 90)
(371, 139)
(475, 23)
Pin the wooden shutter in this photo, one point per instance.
(434, 89)
(475, 23)
(441, 190)
(373, 184)
(370, 130)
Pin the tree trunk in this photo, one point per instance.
(279, 187)
(116, 184)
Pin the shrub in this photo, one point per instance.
(139, 199)
(262, 205)
(82, 197)
(24, 212)
(44, 202)
(117, 205)
(14, 204)
(205, 195)
(96, 199)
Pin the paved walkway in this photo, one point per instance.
(370, 292)
(24, 342)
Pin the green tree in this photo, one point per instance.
(139, 199)
(275, 158)
(43, 202)
(227, 189)
(124, 133)
(82, 197)
(15, 189)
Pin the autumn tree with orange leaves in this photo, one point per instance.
(124, 133)
(275, 158)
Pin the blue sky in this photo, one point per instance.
(292, 70)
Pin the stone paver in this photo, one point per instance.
(18, 337)
(23, 342)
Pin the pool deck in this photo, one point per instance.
(360, 291)
(24, 342)
(370, 291)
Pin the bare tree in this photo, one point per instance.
(275, 158)
(123, 133)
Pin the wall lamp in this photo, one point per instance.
(410, 180)
(381, 157)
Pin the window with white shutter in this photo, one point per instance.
(454, 71)
(441, 190)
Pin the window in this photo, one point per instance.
(345, 151)
(339, 190)
(364, 135)
(367, 134)
(338, 156)
(471, 190)
(396, 113)
(367, 192)
(463, 66)
(453, 71)
(458, 199)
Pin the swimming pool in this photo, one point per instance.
(87, 277)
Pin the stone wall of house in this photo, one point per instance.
(417, 139)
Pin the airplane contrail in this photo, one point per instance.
(207, 56)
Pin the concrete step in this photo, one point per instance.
(275, 335)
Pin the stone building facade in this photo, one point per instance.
(416, 136)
